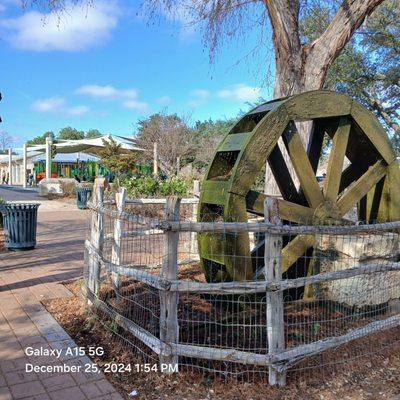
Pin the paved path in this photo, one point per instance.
(26, 278)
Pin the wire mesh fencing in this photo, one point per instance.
(179, 294)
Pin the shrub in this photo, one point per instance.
(176, 185)
(149, 186)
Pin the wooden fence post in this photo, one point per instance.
(155, 159)
(193, 235)
(96, 236)
(118, 228)
(273, 272)
(169, 328)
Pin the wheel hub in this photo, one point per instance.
(326, 213)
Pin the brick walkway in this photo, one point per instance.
(26, 278)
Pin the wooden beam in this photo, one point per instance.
(265, 286)
(116, 258)
(292, 356)
(169, 328)
(302, 166)
(336, 160)
(234, 142)
(287, 210)
(357, 190)
(394, 191)
(295, 249)
(374, 131)
(273, 273)
(257, 150)
(96, 236)
(317, 104)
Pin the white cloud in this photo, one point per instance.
(127, 97)
(77, 28)
(200, 93)
(107, 92)
(164, 100)
(78, 110)
(48, 105)
(57, 105)
(135, 105)
(198, 97)
(240, 92)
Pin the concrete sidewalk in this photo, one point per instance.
(26, 278)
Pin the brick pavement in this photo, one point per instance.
(26, 278)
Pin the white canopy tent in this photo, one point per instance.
(87, 146)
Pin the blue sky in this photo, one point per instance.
(105, 67)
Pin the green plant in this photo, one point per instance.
(113, 157)
(176, 185)
(149, 186)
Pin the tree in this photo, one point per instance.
(5, 140)
(92, 134)
(368, 68)
(115, 159)
(174, 137)
(70, 133)
(208, 134)
(41, 139)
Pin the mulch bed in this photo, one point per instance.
(370, 377)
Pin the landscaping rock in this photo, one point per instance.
(343, 252)
(56, 186)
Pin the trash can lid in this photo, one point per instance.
(14, 204)
(22, 202)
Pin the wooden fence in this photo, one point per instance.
(167, 345)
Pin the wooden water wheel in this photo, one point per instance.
(361, 172)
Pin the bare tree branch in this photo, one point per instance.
(324, 50)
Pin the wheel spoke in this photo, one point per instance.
(295, 249)
(287, 210)
(358, 189)
(336, 160)
(302, 166)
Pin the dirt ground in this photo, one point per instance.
(373, 377)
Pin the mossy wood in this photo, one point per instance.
(369, 179)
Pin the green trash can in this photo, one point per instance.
(20, 222)
(82, 196)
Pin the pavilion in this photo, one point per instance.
(16, 165)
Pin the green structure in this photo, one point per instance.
(84, 170)
(268, 134)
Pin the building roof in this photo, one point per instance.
(90, 147)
